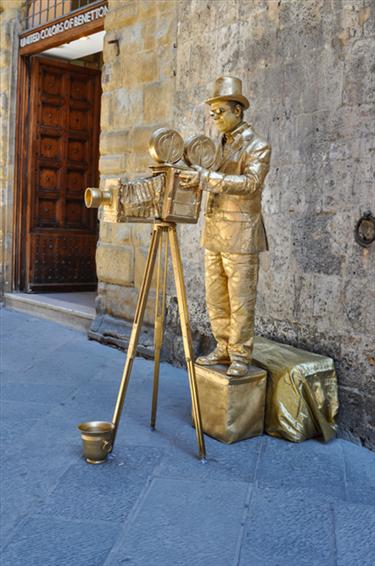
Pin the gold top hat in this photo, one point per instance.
(228, 88)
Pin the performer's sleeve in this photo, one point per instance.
(255, 168)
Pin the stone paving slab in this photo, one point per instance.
(25, 341)
(47, 541)
(107, 493)
(23, 326)
(288, 528)
(234, 462)
(26, 481)
(46, 393)
(359, 473)
(355, 534)
(163, 532)
(309, 464)
(263, 501)
(17, 418)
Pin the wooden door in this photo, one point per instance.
(63, 161)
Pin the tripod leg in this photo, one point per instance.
(136, 328)
(161, 292)
(186, 336)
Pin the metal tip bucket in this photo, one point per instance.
(97, 440)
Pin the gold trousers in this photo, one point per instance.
(231, 284)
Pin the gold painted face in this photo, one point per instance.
(225, 117)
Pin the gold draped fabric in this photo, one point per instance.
(302, 400)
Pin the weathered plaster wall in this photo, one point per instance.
(307, 68)
(10, 13)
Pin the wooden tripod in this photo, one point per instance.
(164, 233)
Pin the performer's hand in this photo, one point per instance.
(189, 179)
(208, 179)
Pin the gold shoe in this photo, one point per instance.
(238, 369)
(216, 357)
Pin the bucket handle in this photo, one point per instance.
(107, 445)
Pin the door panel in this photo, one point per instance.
(64, 140)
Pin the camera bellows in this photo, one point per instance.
(141, 198)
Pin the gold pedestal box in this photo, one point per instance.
(232, 408)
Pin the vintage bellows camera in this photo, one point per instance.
(158, 196)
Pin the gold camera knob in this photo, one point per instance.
(96, 197)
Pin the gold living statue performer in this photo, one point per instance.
(233, 233)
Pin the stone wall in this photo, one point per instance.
(10, 14)
(138, 80)
(307, 69)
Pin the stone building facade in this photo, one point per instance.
(308, 72)
(10, 16)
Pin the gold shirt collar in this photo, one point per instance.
(229, 137)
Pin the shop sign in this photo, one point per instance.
(65, 25)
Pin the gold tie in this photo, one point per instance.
(228, 138)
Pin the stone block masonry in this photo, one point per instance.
(138, 80)
(10, 13)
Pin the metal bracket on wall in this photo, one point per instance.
(116, 44)
(364, 232)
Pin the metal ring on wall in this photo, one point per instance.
(364, 232)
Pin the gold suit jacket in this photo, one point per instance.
(233, 217)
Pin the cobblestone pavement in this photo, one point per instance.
(261, 502)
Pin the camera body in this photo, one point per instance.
(159, 196)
